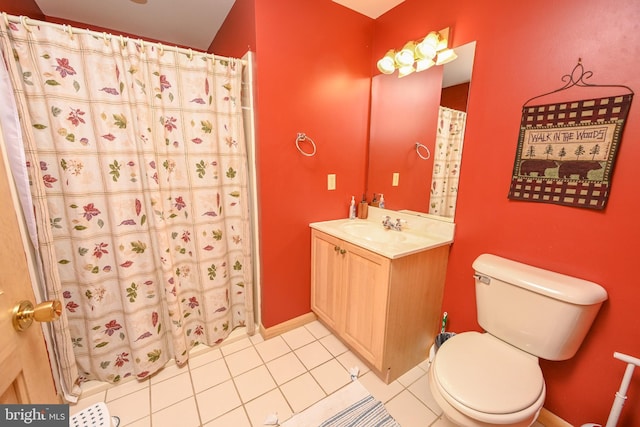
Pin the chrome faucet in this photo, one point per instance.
(390, 225)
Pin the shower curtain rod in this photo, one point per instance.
(26, 21)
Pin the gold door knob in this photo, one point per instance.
(24, 313)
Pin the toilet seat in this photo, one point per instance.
(480, 375)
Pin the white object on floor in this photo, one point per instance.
(271, 420)
(96, 415)
(354, 372)
(329, 406)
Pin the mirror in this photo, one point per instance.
(405, 111)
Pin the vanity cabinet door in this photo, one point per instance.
(326, 277)
(386, 310)
(364, 291)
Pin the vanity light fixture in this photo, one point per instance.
(418, 55)
(405, 70)
(446, 56)
(387, 64)
(406, 56)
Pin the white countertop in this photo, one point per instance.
(418, 233)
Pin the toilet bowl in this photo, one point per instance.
(493, 378)
(480, 381)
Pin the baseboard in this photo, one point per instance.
(549, 419)
(289, 325)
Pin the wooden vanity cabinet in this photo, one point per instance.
(386, 310)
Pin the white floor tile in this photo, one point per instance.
(408, 411)
(411, 376)
(272, 348)
(170, 370)
(317, 329)
(331, 376)
(313, 354)
(254, 383)
(183, 414)
(236, 418)
(286, 368)
(243, 361)
(126, 388)
(132, 407)
(302, 392)
(170, 391)
(93, 386)
(333, 344)
(235, 346)
(350, 360)
(256, 338)
(209, 375)
(298, 337)
(421, 390)
(378, 389)
(205, 357)
(444, 422)
(267, 404)
(144, 422)
(217, 401)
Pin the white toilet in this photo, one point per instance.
(493, 378)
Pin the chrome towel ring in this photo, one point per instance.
(424, 148)
(302, 137)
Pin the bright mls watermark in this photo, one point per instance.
(34, 415)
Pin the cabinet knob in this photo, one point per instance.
(336, 248)
(343, 251)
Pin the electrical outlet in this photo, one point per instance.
(331, 181)
(396, 179)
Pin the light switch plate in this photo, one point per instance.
(331, 181)
(396, 179)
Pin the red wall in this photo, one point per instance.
(523, 50)
(22, 7)
(455, 97)
(313, 77)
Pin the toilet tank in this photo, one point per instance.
(543, 313)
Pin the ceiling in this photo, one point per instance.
(192, 23)
(370, 8)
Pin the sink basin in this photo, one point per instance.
(417, 235)
(373, 232)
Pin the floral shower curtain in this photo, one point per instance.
(137, 164)
(446, 163)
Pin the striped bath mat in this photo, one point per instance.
(352, 406)
(367, 412)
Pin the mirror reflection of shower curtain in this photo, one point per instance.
(446, 163)
(137, 164)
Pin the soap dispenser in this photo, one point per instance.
(352, 208)
(381, 205)
(363, 208)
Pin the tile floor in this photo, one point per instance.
(241, 383)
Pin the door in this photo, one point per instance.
(326, 276)
(25, 374)
(365, 295)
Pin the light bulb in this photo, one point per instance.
(387, 64)
(406, 56)
(445, 56)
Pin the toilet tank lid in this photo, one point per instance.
(554, 285)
